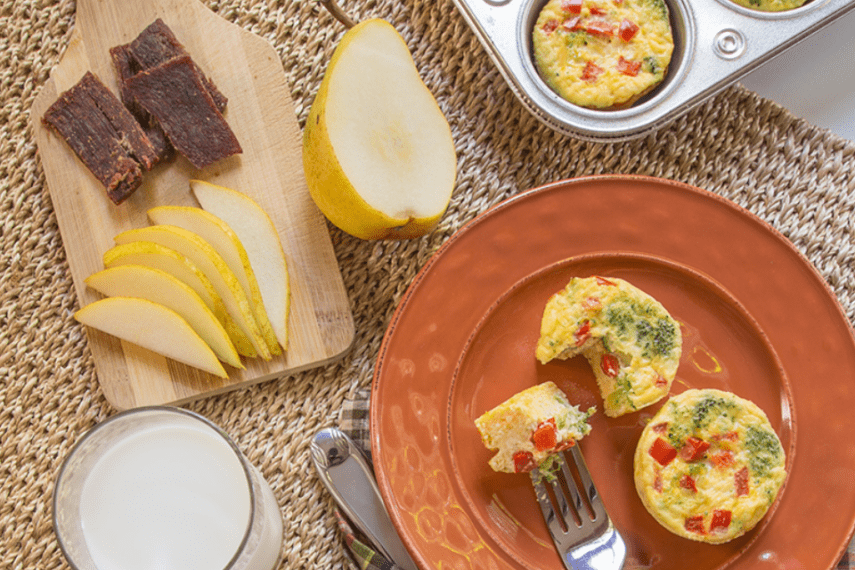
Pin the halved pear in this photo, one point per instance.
(226, 242)
(256, 232)
(162, 288)
(152, 326)
(378, 153)
(211, 263)
(166, 259)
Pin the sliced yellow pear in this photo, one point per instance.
(162, 288)
(211, 263)
(166, 259)
(152, 326)
(256, 232)
(226, 242)
(378, 153)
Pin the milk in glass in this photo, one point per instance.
(171, 494)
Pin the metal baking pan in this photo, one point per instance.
(715, 43)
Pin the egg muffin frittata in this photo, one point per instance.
(530, 427)
(770, 5)
(632, 343)
(603, 53)
(709, 465)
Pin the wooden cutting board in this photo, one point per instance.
(249, 72)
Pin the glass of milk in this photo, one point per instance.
(164, 488)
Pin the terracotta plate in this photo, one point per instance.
(757, 320)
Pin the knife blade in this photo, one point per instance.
(347, 475)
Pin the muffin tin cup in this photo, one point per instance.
(715, 43)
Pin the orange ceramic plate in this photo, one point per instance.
(757, 320)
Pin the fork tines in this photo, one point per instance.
(576, 516)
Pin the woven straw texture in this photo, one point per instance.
(798, 178)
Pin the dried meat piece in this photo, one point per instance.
(156, 45)
(130, 135)
(162, 147)
(175, 95)
(103, 134)
(126, 68)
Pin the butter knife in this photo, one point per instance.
(346, 474)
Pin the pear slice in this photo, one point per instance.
(152, 326)
(162, 288)
(256, 232)
(221, 237)
(215, 269)
(378, 153)
(166, 259)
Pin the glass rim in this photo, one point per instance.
(172, 410)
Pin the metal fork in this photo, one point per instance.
(582, 531)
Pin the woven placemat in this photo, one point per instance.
(795, 176)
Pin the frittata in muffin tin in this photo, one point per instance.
(530, 427)
(603, 53)
(770, 5)
(632, 343)
(709, 465)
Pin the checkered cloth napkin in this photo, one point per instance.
(354, 422)
(358, 547)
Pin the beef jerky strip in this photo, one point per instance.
(103, 134)
(130, 135)
(174, 94)
(156, 45)
(123, 63)
(125, 68)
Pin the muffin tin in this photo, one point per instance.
(715, 43)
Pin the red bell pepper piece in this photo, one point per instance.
(693, 449)
(600, 28)
(627, 30)
(695, 524)
(628, 67)
(687, 482)
(544, 435)
(523, 462)
(741, 482)
(583, 333)
(572, 6)
(604, 281)
(572, 24)
(549, 26)
(662, 451)
(591, 72)
(610, 365)
(720, 520)
(722, 459)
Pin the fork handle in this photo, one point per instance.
(348, 477)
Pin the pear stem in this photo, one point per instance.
(337, 13)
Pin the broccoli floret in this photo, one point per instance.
(651, 65)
